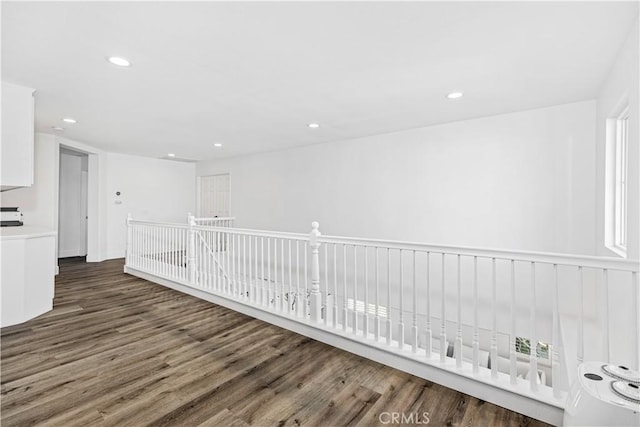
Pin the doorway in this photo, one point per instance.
(73, 203)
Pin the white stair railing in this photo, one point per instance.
(510, 313)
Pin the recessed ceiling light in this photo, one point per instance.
(120, 62)
(313, 125)
(58, 128)
(217, 144)
(69, 120)
(171, 155)
(455, 95)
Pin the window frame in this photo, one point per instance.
(616, 197)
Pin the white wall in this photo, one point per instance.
(39, 202)
(518, 181)
(151, 189)
(72, 205)
(621, 85)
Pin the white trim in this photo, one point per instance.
(612, 211)
(70, 253)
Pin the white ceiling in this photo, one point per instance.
(252, 75)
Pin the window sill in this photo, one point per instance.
(619, 251)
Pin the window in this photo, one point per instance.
(616, 197)
(371, 308)
(523, 345)
(622, 137)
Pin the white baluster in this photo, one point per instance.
(605, 315)
(315, 297)
(183, 254)
(326, 284)
(355, 291)
(429, 334)
(223, 261)
(172, 258)
(533, 341)
(298, 299)
(127, 254)
(389, 330)
(513, 360)
(365, 318)
(556, 349)
(476, 336)
(335, 285)
(580, 315)
(149, 248)
(377, 278)
(401, 318)
(414, 327)
(191, 251)
(217, 282)
(345, 308)
(163, 251)
(212, 260)
(494, 327)
(289, 297)
(634, 296)
(156, 250)
(458, 343)
(235, 256)
(226, 256)
(204, 259)
(443, 326)
(282, 277)
(134, 247)
(280, 285)
(269, 272)
(306, 283)
(262, 298)
(256, 272)
(143, 260)
(275, 274)
(244, 267)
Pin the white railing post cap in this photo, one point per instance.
(315, 233)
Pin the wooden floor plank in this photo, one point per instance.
(120, 351)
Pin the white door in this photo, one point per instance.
(214, 196)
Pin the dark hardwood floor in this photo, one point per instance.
(118, 350)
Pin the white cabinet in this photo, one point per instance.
(28, 271)
(16, 146)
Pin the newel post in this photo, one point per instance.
(315, 297)
(191, 249)
(127, 251)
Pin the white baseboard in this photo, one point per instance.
(70, 253)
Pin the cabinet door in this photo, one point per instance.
(16, 146)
